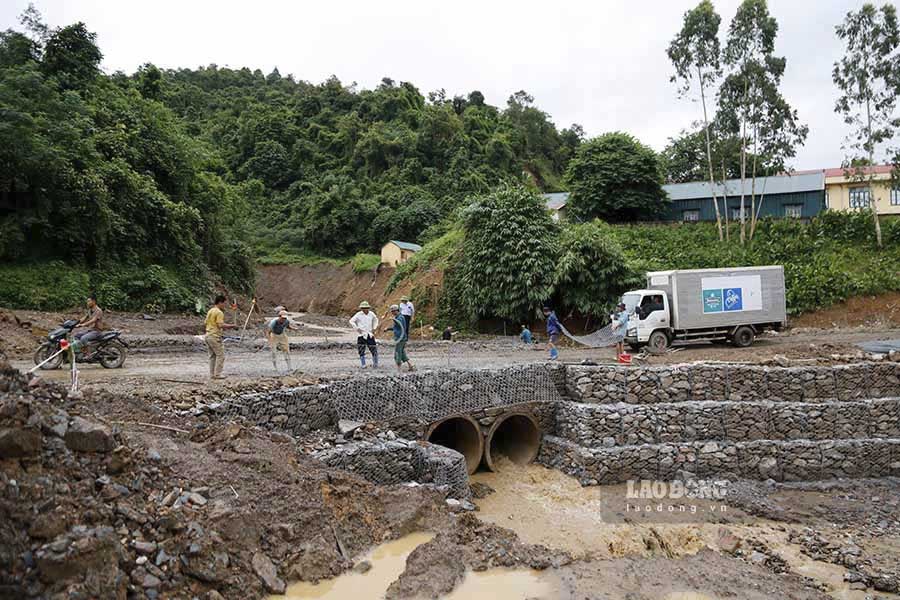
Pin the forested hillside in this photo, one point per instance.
(149, 188)
(333, 169)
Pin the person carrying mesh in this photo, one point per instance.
(365, 323)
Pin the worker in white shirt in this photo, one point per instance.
(408, 311)
(365, 323)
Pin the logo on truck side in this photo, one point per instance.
(733, 299)
(712, 301)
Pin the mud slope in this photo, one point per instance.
(323, 288)
(336, 290)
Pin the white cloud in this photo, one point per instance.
(601, 64)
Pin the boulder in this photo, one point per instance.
(88, 436)
(267, 572)
(19, 442)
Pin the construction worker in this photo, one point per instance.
(553, 331)
(408, 311)
(276, 332)
(215, 324)
(365, 322)
(401, 336)
(525, 336)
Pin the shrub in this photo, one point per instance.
(363, 262)
(44, 286)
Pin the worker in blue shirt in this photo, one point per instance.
(553, 331)
(525, 336)
(401, 336)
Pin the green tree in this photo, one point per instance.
(696, 55)
(751, 107)
(868, 77)
(592, 270)
(509, 254)
(72, 56)
(615, 178)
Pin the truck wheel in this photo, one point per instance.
(658, 342)
(743, 336)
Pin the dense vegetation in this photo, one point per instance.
(336, 170)
(151, 188)
(107, 179)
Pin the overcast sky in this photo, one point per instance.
(600, 63)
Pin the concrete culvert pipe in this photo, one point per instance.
(515, 436)
(461, 433)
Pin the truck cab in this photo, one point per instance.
(649, 317)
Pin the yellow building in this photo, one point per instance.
(843, 193)
(394, 253)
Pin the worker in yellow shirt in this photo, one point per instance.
(215, 324)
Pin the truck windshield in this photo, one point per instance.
(631, 301)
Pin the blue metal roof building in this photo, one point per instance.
(799, 195)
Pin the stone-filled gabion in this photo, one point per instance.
(296, 410)
(784, 384)
(734, 383)
(399, 461)
(709, 382)
(852, 381)
(802, 460)
(818, 384)
(747, 383)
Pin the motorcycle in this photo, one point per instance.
(108, 349)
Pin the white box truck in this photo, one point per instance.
(706, 304)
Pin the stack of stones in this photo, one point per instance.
(787, 424)
(399, 461)
(294, 410)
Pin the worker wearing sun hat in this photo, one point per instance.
(365, 323)
(401, 336)
(408, 311)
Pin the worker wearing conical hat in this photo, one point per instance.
(365, 323)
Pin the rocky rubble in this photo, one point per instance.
(93, 509)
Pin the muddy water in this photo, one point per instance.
(388, 562)
(545, 506)
(504, 584)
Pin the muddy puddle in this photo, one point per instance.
(545, 506)
(388, 562)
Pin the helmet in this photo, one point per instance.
(394, 307)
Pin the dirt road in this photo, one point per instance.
(312, 357)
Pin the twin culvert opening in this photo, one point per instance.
(514, 435)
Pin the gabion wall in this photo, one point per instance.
(606, 425)
(400, 461)
(801, 460)
(736, 383)
(408, 402)
(786, 424)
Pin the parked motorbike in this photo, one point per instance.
(108, 349)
